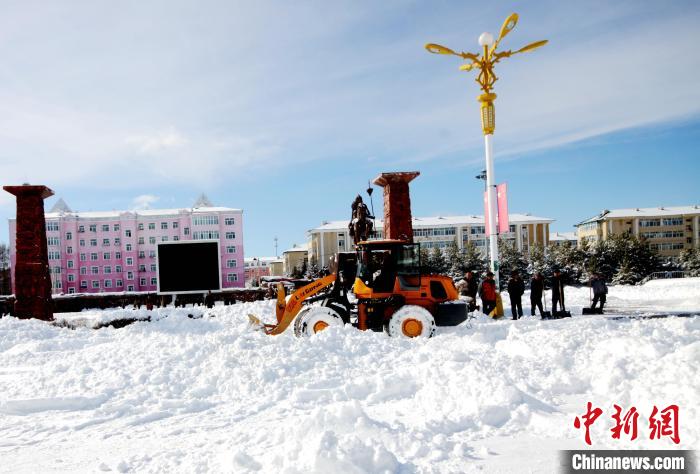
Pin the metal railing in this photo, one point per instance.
(668, 274)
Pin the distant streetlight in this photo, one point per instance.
(486, 79)
(482, 176)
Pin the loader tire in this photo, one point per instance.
(315, 319)
(411, 321)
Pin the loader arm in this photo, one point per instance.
(287, 312)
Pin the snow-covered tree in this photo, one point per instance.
(473, 259)
(510, 259)
(425, 260)
(437, 261)
(690, 262)
(454, 259)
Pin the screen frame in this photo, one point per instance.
(190, 292)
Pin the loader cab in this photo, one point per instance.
(381, 262)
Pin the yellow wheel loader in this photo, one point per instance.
(378, 287)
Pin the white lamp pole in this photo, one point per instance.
(484, 62)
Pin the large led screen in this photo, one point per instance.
(188, 267)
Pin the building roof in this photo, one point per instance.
(260, 259)
(562, 236)
(661, 211)
(60, 206)
(439, 221)
(144, 212)
(298, 248)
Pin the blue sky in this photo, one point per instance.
(287, 109)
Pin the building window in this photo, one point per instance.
(153, 267)
(152, 254)
(142, 254)
(231, 277)
(141, 241)
(69, 250)
(81, 229)
(120, 283)
(129, 275)
(93, 256)
(95, 270)
(673, 221)
(164, 238)
(151, 226)
(118, 255)
(129, 261)
(69, 235)
(142, 268)
(205, 220)
(230, 235)
(127, 233)
(82, 242)
(229, 221)
(231, 263)
(105, 227)
(187, 231)
(108, 283)
(71, 291)
(53, 241)
(176, 224)
(71, 277)
(83, 257)
(83, 270)
(128, 247)
(52, 226)
(130, 288)
(140, 225)
(151, 240)
(57, 284)
(93, 242)
(53, 255)
(649, 222)
(154, 281)
(142, 281)
(117, 241)
(164, 225)
(71, 263)
(231, 249)
(83, 284)
(118, 269)
(176, 238)
(105, 242)
(106, 256)
(107, 269)
(205, 235)
(95, 283)
(116, 227)
(93, 227)
(55, 270)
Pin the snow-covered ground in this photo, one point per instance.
(210, 395)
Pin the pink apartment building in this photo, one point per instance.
(113, 251)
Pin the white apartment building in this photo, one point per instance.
(526, 231)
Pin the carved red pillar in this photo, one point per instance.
(32, 279)
(397, 204)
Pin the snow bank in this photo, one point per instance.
(195, 395)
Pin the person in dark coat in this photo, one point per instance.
(209, 300)
(557, 291)
(487, 292)
(516, 288)
(600, 290)
(469, 286)
(536, 290)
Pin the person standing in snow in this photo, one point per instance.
(557, 291)
(536, 290)
(469, 286)
(600, 289)
(487, 292)
(516, 288)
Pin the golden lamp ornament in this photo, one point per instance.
(484, 63)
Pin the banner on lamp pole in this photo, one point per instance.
(502, 210)
(502, 193)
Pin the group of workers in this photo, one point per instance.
(486, 289)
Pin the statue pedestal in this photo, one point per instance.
(32, 278)
(397, 204)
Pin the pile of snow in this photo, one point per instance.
(195, 395)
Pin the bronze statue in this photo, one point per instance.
(361, 225)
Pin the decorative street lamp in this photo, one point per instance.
(486, 79)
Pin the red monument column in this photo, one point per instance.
(397, 204)
(32, 278)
